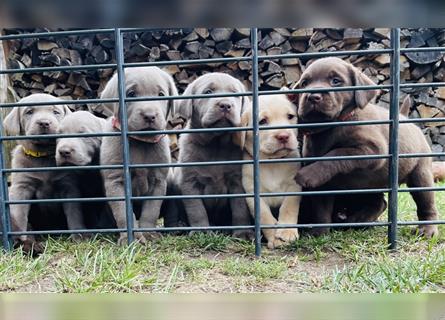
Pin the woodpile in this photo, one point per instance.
(202, 43)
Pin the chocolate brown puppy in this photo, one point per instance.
(356, 140)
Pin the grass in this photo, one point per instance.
(342, 261)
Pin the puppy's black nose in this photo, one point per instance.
(44, 124)
(225, 107)
(149, 117)
(314, 97)
(65, 152)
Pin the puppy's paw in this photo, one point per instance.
(287, 235)
(309, 178)
(150, 236)
(30, 247)
(317, 232)
(248, 235)
(78, 237)
(427, 231)
(138, 237)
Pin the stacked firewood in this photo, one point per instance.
(202, 43)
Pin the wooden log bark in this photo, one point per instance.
(6, 95)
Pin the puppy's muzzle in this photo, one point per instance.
(149, 117)
(282, 137)
(44, 125)
(65, 152)
(225, 107)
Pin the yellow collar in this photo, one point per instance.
(36, 154)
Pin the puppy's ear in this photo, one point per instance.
(246, 104)
(67, 109)
(184, 108)
(239, 137)
(109, 92)
(292, 97)
(362, 97)
(12, 123)
(172, 91)
(406, 106)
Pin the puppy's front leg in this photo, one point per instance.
(73, 211)
(321, 212)
(19, 212)
(115, 188)
(195, 209)
(240, 215)
(320, 172)
(152, 208)
(266, 217)
(288, 215)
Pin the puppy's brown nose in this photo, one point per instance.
(65, 152)
(225, 107)
(282, 137)
(43, 123)
(314, 97)
(149, 117)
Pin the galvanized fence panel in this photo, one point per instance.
(120, 66)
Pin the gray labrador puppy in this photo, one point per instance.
(215, 146)
(38, 153)
(84, 151)
(142, 116)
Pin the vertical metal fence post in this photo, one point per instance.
(124, 132)
(394, 136)
(256, 139)
(6, 227)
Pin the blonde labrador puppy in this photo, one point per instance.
(274, 110)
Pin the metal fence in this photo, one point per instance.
(393, 154)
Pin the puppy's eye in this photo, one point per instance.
(262, 122)
(56, 112)
(208, 91)
(290, 116)
(131, 94)
(336, 81)
(161, 94)
(29, 111)
(303, 83)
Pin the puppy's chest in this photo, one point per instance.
(320, 144)
(277, 177)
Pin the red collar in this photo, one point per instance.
(342, 117)
(150, 139)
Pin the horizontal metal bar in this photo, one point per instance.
(65, 200)
(199, 96)
(223, 228)
(223, 162)
(61, 68)
(206, 196)
(421, 120)
(65, 168)
(266, 226)
(196, 164)
(422, 49)
(260, 58)
(61, 102)
(421, 85)
(421, 189)
(420, 223)
(55, 34)
(185, 62)
(325, 54)
(228, 196)
(201, 130)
